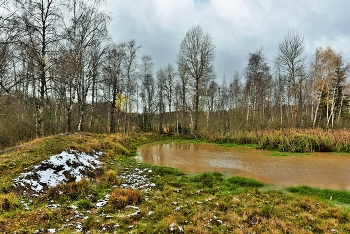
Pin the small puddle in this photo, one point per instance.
(322, 170)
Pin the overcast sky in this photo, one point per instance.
(237, 27)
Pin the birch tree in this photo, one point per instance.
(38, 24)
(291, 61)
(329, 75)
(258, 79)
(85, 28)
(147, 92)
(114, 82)
(169, 83)
(196, 57)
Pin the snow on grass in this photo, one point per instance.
(67, 166)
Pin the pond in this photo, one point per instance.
(322, 170)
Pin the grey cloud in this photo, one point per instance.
(236, 27)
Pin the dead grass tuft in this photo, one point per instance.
(72, 190)
(120, 198)
(8, 202)
(110, 178)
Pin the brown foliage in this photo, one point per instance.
(121, 198)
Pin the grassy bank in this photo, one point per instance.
(289, 140)
(176, 202)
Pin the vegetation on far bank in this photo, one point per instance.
(288, 140)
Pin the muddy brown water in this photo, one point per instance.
(322, 170)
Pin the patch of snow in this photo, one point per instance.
(137, 211)
(150, 213)
(102, 202)
(64, 167)
(73, 207)
(79, 227)
(132, 207)
(53, 206)
(175, 228)
(136, 179)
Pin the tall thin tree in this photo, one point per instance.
(196, 57)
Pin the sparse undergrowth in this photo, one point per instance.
(165, 200)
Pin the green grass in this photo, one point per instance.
(339, 196)
(286, 154)
(236, 145)
(245, 182)
(207, 202)
(167, 171)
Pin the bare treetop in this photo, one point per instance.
(197, 53)
(196, 58)
(290, 54)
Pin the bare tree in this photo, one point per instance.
(235, 99)
(258, 80)
(130, 78)
(85, 28)
(8, 35)
(196, 57)
(235, 91)
(170, 76)
(114, 82)
(147, 92)
(280, 87)
(183, 93)
(161, 80)
(224, 105)
(63, 87)
(212, 102)
(38, 24)
(291, 61)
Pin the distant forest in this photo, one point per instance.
(60, 72)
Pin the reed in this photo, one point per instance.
(289, 140)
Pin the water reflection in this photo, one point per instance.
(323, 170)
